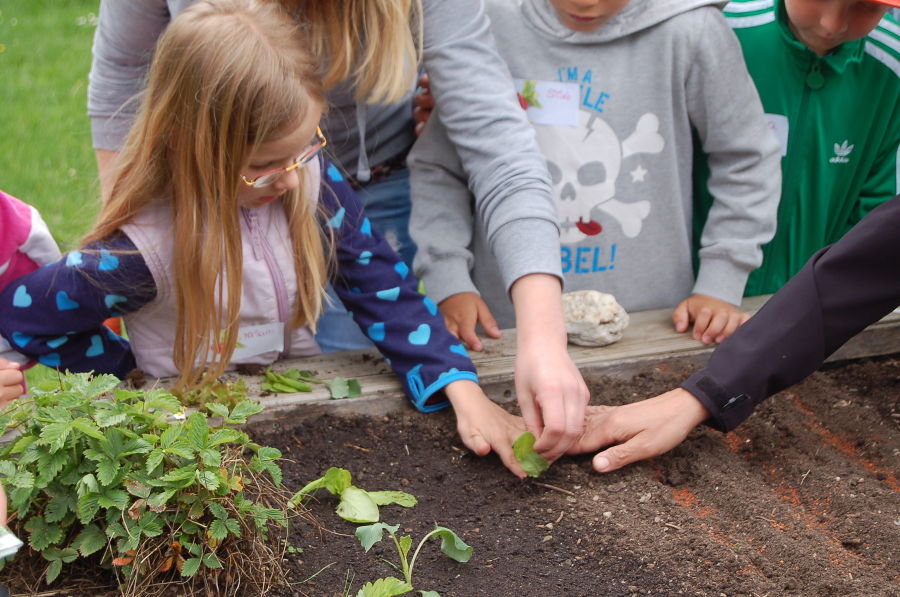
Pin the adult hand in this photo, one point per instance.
(552, 394)
(714, 319)
(12, 381)
(484, 425)
(462, 312)
(423, 103)
(640, 430)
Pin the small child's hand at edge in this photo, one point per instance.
(12, 381)
(484, 425)
(714, 320)
(462, 312)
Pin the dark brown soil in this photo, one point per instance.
(803, 499)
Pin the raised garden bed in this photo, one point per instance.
(802, 500)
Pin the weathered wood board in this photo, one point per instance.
(649, 340)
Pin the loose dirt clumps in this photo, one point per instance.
(803, 499)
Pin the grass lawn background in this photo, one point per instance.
(46, 158)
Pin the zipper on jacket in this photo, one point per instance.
(261, 246)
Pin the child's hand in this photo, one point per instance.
(12, 381)
(461, 314)
(642, 429)
(483, 425)
(714, 320)
(424, 103)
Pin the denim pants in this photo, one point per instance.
(387, 205)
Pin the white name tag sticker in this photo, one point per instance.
(259, 339)
(549, 102)
(779, 125)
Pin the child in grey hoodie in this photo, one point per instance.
(614, 90)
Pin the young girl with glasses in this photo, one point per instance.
(223, 226)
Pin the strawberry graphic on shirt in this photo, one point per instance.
(529, 96)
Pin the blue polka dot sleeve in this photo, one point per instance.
(55, 314)
(382, 296)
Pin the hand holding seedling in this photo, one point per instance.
(640, 430)
(552, 394)
(483, 425)
(714, 320)
(12, 381)
(462, 312)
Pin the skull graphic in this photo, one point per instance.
(585, 162)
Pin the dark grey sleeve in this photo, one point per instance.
(842, 289)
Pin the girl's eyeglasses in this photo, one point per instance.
(272, 176)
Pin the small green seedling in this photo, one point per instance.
(369, 535)
(532, 463)
(291, 381)
(356, 505)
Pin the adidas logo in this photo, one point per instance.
(841, 152)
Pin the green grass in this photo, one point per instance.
(46, 158)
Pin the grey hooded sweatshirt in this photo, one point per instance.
(614, 112)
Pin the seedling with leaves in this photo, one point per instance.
(451, 544)
(356, 505)
(532, 463)
(102, 471)
(291, 381)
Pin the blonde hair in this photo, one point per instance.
(376, 44)
(226, 77)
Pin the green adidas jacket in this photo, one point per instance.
(838, 119)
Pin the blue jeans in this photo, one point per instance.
(387, 205)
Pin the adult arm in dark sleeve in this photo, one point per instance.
(842, 289)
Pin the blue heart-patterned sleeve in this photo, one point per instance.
(55, 314)
(382, 295)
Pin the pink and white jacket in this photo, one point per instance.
(25, 245)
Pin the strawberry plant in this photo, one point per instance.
(356, 505)
(291, 381)
(452, 546)
(103, 472)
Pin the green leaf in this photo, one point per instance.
(356, 506)
(137, 488)
(41, 534)
(210, 560)
(266, 453)
(429, 593)
(452, 545)
(66, 555)
(90, 540)
(371, 534)
(150, 524)
(88, 505)
(197, 431)
(223, 436)
(233, 527)
(87, 484)
(158, 501)
(405, 546)
(210, 457)
(53, 570)
(23, 479)
(384, 587)
(113, 498)
(218, 410)
(87, 427)
(208, 479)
(337, 480)
(217, 510)
(107, 470)
(49, 464)
(190, 567)
(180, 474)
(55, 434)
(91, 386)
(532, 463)
(7, 468)
(344, 388)
(59, 506)
(108, 418)
(218, 530)
(243, 410)
(401, 498)
(162, 400)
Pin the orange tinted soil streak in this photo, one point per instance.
(734, 441)
(843, 446)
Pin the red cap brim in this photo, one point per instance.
(894, 3)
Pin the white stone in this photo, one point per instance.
(593, 318)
